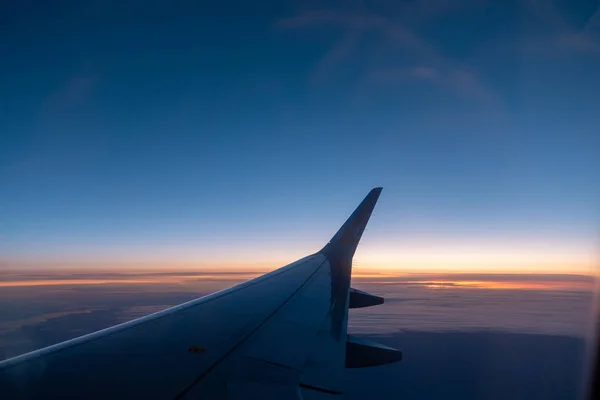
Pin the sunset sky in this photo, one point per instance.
(241, 136)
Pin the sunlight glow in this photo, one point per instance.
(142, 279)
(524, 285)
(517, 257)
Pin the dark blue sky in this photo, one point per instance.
(184, 132)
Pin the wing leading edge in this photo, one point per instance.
(281, 335)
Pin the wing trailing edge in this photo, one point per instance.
(362, 352)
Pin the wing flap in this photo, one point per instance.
(360, 299)
(362, 352)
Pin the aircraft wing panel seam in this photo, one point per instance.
(318, 389)
(249, 334)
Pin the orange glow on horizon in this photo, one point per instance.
(162, 279)
(522, 285)
(409, 256)
(51, 282)
(427, 279)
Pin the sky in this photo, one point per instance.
(241, 135)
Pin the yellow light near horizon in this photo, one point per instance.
(141, 279)
(57, 282)
(482, 259)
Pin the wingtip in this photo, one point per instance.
(348, 236)
(375, 193)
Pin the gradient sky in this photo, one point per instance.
(242, 134)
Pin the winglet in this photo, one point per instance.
(343, 244)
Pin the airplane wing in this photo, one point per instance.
(282, 335)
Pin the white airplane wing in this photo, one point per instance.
(282, 335)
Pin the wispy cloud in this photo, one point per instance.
(395, 37)
(592, 26)
(401, 75)
(400, 53)
(58, 126)
(12, 325)
(424, 72)
(74, 90)
(334, 56)
(588, 39)
(580, 42)
(561, 35)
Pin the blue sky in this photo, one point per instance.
(139, 132)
